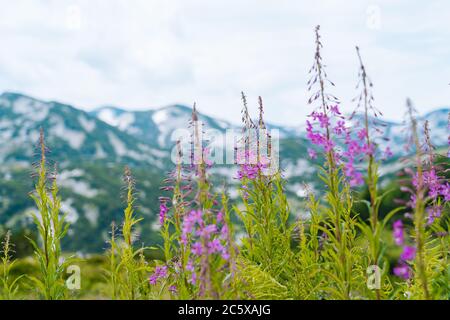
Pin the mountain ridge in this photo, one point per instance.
(92, 152)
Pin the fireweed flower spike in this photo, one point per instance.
(172, 208)
(265, 210)
(327, 105)
(435, 181)
(403, 270)
(197, 239)
(363, 148)
(162, 212)
(319, 128)
(418, 203)
(204, 236)
(51, 226)
(246, 119)
(325, 128)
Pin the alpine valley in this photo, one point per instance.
(92, 148)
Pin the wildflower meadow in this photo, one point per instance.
(354, 238)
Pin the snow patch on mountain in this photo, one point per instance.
(88, 125)
(160, 116)
(68, 174)
(91, 213)
(99, 152)
(74, 138)
(80, 187)
(298, 168)
(31, 109)
(122, 120)
(68, 209)
(67, 179)
(119, 147)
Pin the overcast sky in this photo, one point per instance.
(141, 54)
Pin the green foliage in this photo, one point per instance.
(52, 227)
(9, 284)
(127, 266)
(265, 218)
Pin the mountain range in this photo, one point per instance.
(91, 149)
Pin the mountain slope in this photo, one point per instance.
(72, 133)
(91, 155)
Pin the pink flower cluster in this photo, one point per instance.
(403, 270)
(162, 212)
(356, 150)
(435, 188)
(318, 136)
(159, 273)
(250, 167)
(319, 131)
(250, 171)
(204, 239)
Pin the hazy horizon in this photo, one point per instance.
(234, 121)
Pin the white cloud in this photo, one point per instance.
(141, 53)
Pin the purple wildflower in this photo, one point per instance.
(433, 213)
(214, 246)
(408, 253)
(362, 134)
(324, 121)
(355, 177)
(159, 273)
(173, 289)
(340, 127)
(206, 231)
(244, 192)
(224, 232)
(197, 248)
(445, 191)
(193, 279)
(312, 153)
(162, 212)
(190, 266)
(398, 233)
(225, 255)
(403, 271)
(153, 279)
